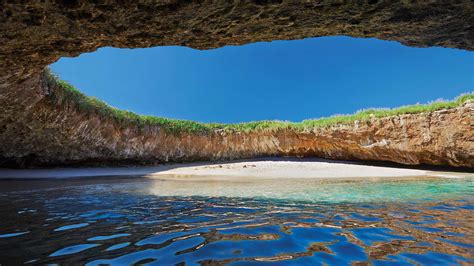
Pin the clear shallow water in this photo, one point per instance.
(283, 222)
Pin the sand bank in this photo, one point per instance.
(257, 169)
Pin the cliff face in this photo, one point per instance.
(35, 131)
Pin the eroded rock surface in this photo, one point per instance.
(37, 131)
(34, 34)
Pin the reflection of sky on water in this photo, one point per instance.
(291, 222)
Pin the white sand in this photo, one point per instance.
(250, 169)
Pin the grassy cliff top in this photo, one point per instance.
(63, 93)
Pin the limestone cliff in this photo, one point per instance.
(34, 130)
(39, 131)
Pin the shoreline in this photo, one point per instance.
(254, 169)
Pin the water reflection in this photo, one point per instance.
(288, 222)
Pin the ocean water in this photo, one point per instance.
(124, 221)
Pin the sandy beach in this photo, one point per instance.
(248, 169)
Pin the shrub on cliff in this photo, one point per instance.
(64, 94)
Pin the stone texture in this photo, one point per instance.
(37, 131)
(34, 34)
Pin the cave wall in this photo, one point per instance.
(37, 131)
(34, 34)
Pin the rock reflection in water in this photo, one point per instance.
(171, 222)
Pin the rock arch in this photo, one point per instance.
(34, 34)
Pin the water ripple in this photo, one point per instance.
(127, 224)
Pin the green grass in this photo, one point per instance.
(64, 94)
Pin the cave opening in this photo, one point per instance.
(45, 121)
(279, 80)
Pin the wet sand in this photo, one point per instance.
(248, 169)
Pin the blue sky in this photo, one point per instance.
(286, 80)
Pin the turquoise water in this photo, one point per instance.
(283, 222)
(330, 191)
